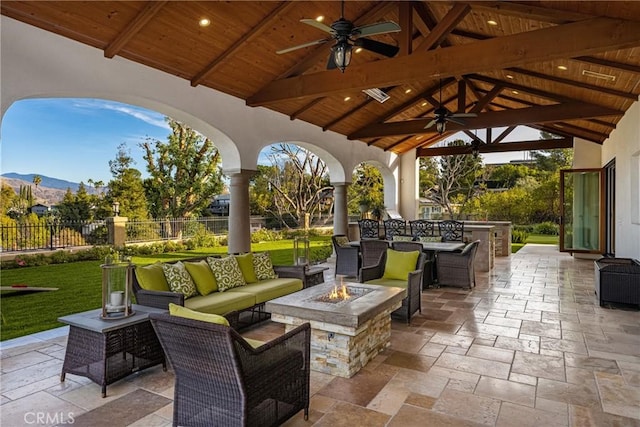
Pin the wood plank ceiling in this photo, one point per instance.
(565, 67)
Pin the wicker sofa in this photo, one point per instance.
(248, 297)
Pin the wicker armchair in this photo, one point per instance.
(222, 381)
(347, 257)
(422, 228)
(456, 268)
(394, 227)
(412, 301)
(372, 250)
(451, 231)
(369, 228)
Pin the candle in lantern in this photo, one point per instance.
(117, 298)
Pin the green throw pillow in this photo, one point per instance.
(187, 313)
(263, 266)
(426, 239)
(151, 277)
(179, 279)
(342, 241)
(202, 276)
(227, 272)
(400, 264)
(246, 266)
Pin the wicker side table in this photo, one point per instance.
(106, 351)
(617, 280)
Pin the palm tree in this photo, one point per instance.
(37, 179)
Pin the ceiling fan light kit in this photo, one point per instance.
(347, 35)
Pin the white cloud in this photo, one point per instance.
(151, 117)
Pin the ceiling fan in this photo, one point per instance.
(347, 35)
(442, 116)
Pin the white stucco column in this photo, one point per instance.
(340, 217)
(239, 239)
(408, 184)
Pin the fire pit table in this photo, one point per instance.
(345, 333)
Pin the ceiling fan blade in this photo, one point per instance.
(453, 119)
(377, 47)
(463, 115)
(431, 123)
(300, 46)
(378, 28)
(318, 25)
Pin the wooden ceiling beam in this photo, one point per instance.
(530, 12)
(532, 91)
(561, 132)
(486, 99)
(575, 39)
(439, 33)
(305, 107)
(145, 15)
(347, 114)
(574, 83)
(241, 43)
(503, 135)
(405, 37)
(521, 116)
(611, 64)
(540, 144)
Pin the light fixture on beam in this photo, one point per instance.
(441, 125)
(377, 94)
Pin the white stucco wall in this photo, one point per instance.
(39, 64)
(586, 154)
(624, 145)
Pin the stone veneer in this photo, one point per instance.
(342, 350)
(346, 335)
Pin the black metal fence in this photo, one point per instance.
(51, 235)
(174, 228)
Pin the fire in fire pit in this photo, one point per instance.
(342, 293)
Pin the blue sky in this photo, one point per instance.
(74, 139)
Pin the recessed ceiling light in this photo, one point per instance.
(558, 125)
(407, 91)
(347, 98)
(492, 22)
(424, 104)
(419, 137)
(204, 22)
(515, 92)
(358, 50)
(319, 18)
(562, 67)
(509, 76)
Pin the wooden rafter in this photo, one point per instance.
(611, 64)
(541, 144)
(540, 114)
(405, 37)
(502, 136)
(347, 114)
(306, 107)
(142, 18)
(280, 10)
(574, 39)
(532, 12)
(444, 27)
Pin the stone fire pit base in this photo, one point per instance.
(341, 350)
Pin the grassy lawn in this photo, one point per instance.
(536, 238)
(79, 286)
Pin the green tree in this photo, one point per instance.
(73, 208)
(37, 180)
(184, 172)
(456, 183)
(428, 174)
(7, 196)
(367, 188)
(506, 176)
(260, 191)
(126, 187)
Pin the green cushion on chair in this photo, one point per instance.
(426, 239)
(245, 262)
(151, 277)
(263, 266)
(400, 264)
(342, 241)
(180, 311)
(202, 276)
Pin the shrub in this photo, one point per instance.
(320, 253)
(266, 235)
(519, 236)
(526, 228)
(549, 228)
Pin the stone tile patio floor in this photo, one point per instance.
(529, 346)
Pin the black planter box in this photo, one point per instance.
(618, 280)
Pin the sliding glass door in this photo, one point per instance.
(582, 210)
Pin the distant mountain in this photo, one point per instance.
(47, 181)
(50, 192)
